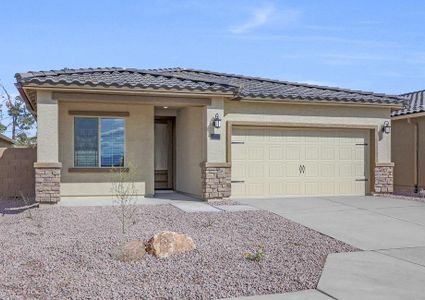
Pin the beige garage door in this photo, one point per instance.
(299, 162)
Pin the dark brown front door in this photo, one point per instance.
(163, 153)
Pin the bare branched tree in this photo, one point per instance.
(19, 121)
(125, 196)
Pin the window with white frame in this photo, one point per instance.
(99, 142)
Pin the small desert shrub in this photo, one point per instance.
(32, 212)
(125, 196)
(257, 256)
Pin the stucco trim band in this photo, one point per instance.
(99, 113)
(97, 170)
(47, 165)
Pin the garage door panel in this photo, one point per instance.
(327, 152)
(311, 168)
(238, 170)
(293, 188)
(327, 170)
(276, 170)
(312, 152)
(311, 188)
(345, 170)
(255, 170)
(276, 152)
(239, 151)
(327, 188)
(238, 189)
(292, 169)
(256, 152)
(255, 189)
(293, 151)
(269, 159)
(275, 188)
(345, 153)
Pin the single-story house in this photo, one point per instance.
(206, 134)
(408, 144)
(6, 142)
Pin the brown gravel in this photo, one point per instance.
(65, 252)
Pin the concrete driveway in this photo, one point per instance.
(392, 231)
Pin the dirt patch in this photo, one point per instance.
(65, 252)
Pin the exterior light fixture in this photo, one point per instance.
(165, 107)
(386, 128)
(217, 121)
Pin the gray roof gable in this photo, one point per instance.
(200, 80)
(415, 103)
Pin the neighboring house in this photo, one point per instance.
(207, 134)
(408, 144)
(6, 142)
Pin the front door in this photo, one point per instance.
(164, 153)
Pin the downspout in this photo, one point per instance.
(416, 148)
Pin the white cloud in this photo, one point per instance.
(260, 16)
(264, 15)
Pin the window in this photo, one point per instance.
(98, 142)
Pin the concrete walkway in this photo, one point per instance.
(392, 231)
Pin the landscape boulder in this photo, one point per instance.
(167, 243)
(133, 250)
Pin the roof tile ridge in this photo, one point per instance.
(323, 87)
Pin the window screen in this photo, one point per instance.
(86, 142)
(112, 142)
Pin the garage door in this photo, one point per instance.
(299, 162)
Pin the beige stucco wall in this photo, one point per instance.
(314, 114)
(47, 128)
(193, 142)
(190, 149)
(216, 147)
(139, 149)
(404, 154)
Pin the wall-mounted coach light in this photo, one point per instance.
(386, 128)
(217, 121)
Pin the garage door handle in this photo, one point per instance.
(364, 179)
(238, 181)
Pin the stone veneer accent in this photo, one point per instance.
(47, 182)
(384, 178)
(216, 181)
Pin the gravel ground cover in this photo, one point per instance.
(65, 252)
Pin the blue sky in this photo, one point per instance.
(369, 45)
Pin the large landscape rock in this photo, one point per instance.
(133, 250)
(168, 243)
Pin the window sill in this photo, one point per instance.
(98, 170)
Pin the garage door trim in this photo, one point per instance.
(373, 136)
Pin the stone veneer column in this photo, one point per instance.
(216, 181)
(47, 167)
(47, 182)
(384, 178)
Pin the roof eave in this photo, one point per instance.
(393, 106)
(7, 139)
(409, 116)
(26, 99)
